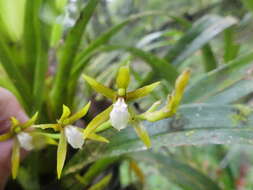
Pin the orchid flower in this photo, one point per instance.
(21, 134)
(120, 115)
(70, 134)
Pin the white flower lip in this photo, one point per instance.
(25, 140)
(119, 115)
(74, 136)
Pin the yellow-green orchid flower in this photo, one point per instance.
(21, 134)
(69, 134)
(120, 115)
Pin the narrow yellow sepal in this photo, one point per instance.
(99, 138)
(15, 159)
(100, 88)
(61, 153)
(172, 103)
(141, 92)
(78, 115)
(47, 126)
(123, 77)
(5, 136)
(14, 121)
(181, 82)
(65, 113)
(142, 134)
(97, 121)
(30, 121)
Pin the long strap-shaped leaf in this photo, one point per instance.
(68, 54)
(215, 82)
(178, 172)
(15, 74)
(195, 124)
(196, 37)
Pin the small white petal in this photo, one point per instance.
(119, 115)
(74, 136)
(25, 141)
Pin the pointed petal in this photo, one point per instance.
(123, 77)
(61, 153)
(65, 113)
(99, 138)
(46, 126)
(141, 92)
(14, 121)
(78, 115)
(154, 106)
(5, 136)
(143, 134)
(177, 95)
(97, 121)
(15, 159)
(30, 121)
(100, 88)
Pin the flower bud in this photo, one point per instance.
(119, 115)
(25, 141)
(74, 136)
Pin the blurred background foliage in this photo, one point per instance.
(46, 45)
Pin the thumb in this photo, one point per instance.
(9, 107)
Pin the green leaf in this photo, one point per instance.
(15, 75)
(31, 37)
(219, 80)
(141, 92)
(81, 59)
(178, 172)
(160, 66)
(68, 54)
(232, 93)
(197, 36)
(95, 169)
(103, 183)
(194, 124)
(100, 88)
(231, 48)
(248, 4)
(61, 153)
(209, 58)
(15, 158)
